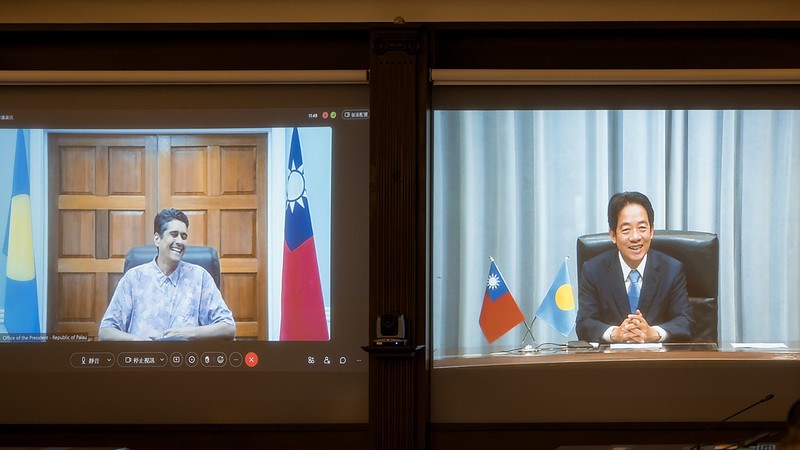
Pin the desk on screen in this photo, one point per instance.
(678, 383)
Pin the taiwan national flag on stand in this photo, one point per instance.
(22, 303)
(500, 312)
(302, 307)
(558, 307)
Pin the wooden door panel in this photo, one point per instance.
(103, 194)
(238, 289)
(76, 297)
(239, 238)
(81, 302)
(110, 187)
(78, 234)
(129, 229)
(220, 181)
(238, 170)
(128, 164)
(198, 227)
(189, 171)
(77, 170)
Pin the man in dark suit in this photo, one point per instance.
(633, 294)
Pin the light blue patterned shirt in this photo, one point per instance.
(147, 303)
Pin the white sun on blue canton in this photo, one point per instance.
(493, 282)
(295, 187)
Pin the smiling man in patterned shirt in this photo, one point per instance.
(167, 298)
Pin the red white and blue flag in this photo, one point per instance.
(500, 312)
(302, 305)
(22, 301)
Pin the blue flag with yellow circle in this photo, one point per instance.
(558, 307)
(21, 302)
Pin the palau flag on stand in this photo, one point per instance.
(302, 307)
(500, 312)
(22, 302)
(558, 307)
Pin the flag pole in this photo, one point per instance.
(527, 333)
(528, 327)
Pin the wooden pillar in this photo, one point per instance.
(400, 93)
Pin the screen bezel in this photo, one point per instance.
(284, 387)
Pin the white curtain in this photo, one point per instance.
(521, 186)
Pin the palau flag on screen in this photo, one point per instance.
(22, 303)
(500, 312)
(302, 307)
(558, 307)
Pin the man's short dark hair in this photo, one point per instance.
(166, 216)
(620, 200)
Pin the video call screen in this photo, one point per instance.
(274, 183)
(519, 173)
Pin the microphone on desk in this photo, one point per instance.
(766, 398)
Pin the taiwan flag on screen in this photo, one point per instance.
(22, 304)
(500, 312)
(302, 307)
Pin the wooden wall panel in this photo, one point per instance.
(239, 238)
(78, 234)
(198, 227)
(127, 229)
(101, 170)
(213, 183)
(103, 187)
(219, 180)
(102, 238)
(127, 202)
(239, 291)
(85, 265)
(129, 169)
(238, 170)
(77, 170)
(109, 187)
(189, 171)
(76, 297)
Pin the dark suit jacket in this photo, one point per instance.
(603, 300)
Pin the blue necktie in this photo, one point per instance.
(633, 290)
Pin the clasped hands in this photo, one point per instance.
(635, 329)
(178, 334)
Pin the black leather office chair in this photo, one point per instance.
(203, 256)
(699, 253)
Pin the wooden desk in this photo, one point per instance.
(604, 354)
(675, 384)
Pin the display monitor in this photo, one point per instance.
(520, 173)
(273, 182)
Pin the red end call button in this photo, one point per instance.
(251, 359)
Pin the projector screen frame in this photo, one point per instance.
(507, 45)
